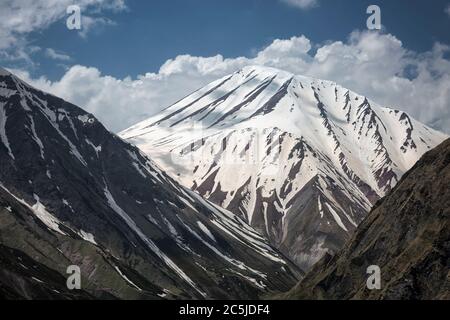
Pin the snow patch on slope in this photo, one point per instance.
(132, 225)
(3, 136)
(126, 278)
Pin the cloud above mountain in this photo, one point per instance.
(373, 64)
(53, 54)
(19, 18)
(302, 4)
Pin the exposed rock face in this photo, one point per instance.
(407, 235)
(302, 160)
(72, 193)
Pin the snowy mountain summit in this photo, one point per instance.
(302, 160)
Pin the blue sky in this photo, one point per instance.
(148, 33)
(135, 57)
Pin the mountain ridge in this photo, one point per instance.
(406, 235)
(73, 193)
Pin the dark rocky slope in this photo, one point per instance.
(23, 278)
(407, 235)
(72, 193)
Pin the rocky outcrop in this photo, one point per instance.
(407, 235)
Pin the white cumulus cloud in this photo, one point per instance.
(302, 4)
(18, 18)
(53, 54)
(373, 64)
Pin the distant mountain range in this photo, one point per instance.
(301, 160)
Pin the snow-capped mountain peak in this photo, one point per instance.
(301, 159)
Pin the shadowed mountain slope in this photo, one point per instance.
(72, 193)
(407, 235)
